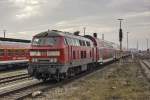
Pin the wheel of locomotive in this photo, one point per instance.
(44, 79)
(58, 76)
(70, 73)
(58, 79)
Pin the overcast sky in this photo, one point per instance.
(25, 18)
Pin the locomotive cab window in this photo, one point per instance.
(1, 52)
(45, 41)
(69, 41)
(65, 41)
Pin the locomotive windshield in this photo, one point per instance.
(45, 41)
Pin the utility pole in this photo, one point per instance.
(120, 35)
(147, 43)
(137, 45)
(120, 39)
(84, 28)
(127, 41)
(4, 31)
(102, 36)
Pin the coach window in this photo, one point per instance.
(84, 54)
(87, 43)
(18, 52)
(80, 42)
(84, 43)
(26, 52)
(69, 41)
(10, 52)
(22, 52)
(90, 54)
(1, 52)
(74, 55)
(74, 42)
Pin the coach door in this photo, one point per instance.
(93, 54)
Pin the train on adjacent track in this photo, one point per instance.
(58, 55)
(14, 53)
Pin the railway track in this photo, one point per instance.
(145, 65)
(13, 78)
(12, 73)
(16, 91)
(22, 90)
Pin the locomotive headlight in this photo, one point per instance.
(53, 53)
(55, 60)
(34, 59)
(51, 60)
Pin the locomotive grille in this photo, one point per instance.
(44, 60)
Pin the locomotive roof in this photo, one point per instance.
(52, 33)
(14, 40)
(59, 33)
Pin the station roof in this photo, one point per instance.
(15, 40)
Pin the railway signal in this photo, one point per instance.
(120, 35)
(120, 39)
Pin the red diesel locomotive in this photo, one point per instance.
(13, 53)
(57, 55)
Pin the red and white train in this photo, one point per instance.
(57, 55)
(14, 53)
